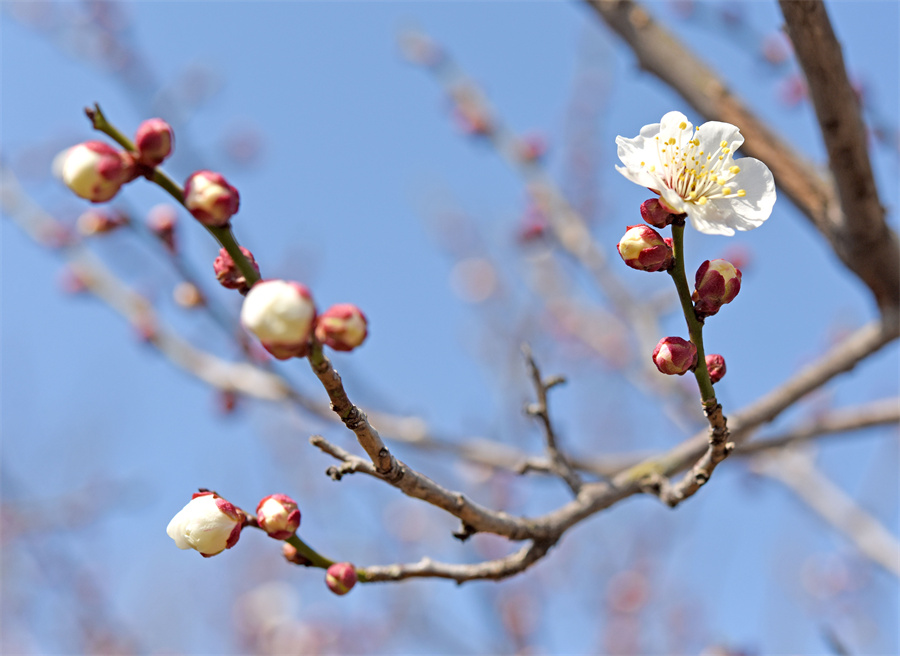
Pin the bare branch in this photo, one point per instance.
(494, 570)
(558, 462)
(659, 52)
(860, 236)
(877, 413)
(798, 473)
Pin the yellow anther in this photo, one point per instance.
(709, 157)
(702, 200)
(721, 157)
(735, 169)
(721, 181)
(724, 144)
(741, 193)
(726, 191)
(652, 169)
(642, 163)
(726, 150)
(671, 140)
(682, 125)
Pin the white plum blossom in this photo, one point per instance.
(209, 524)
(282, 315)
(694, 172)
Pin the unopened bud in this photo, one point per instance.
(209, 524)
(96, 171)
(343, 327)
(227, 272)
(281, 314)
(674, 356)
(278, 516)
(656, 214)
(154, 141)
(210, 199)
(717, 283)
(645, 249)
(340, 578)
(292, 555)
(715, 364)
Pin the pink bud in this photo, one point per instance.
(292, 555)
(644, 249)
(228, 274)
(340, 578)
(278, 516)
(97, 222)
(717, 283)
(209, 524)
(209, 197)
(343, 327)
(96, 171)
(715, 364)
(674, 356)
(281, 314)
(654, 213)
(187, 295)
(154, 141)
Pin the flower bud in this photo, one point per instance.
(343, 327)
(717, 283)
(674, 356)
(209, 524)
(340, 578)
(187, 295)
(95, 171)
(656, 214)
(645, 249)
(715, 364)
(97, 222)
(227, 272)
(278, 516)
(154, 141)
(292, 555)
(209, 197)
(281, 314)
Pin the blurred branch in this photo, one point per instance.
(860, 235)
(659, 52)
(877, 413)
(798, 473)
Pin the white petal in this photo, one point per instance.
(671, 127)
(641, 177)
(634, 151)
(755, 207)
(713, 133)
(710, 219)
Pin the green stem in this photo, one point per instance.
(695, 326)
(314, 557)
(222, 235)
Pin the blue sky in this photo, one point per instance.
(359, 156)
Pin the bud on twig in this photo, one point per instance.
(278, 516)
(96, 171)
(715, 364)
(162, 220)
(340, 578)
(209, 524)
(717, 283)
(656, 214)
(281, 314)
(210, 199)
(227, 272)
(644, 249)
(154, 141)
(343, 327)
(675, 356)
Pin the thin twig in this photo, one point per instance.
(559, 464)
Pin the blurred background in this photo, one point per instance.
(362, 178)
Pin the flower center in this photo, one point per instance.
(695, 175)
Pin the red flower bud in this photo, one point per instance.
(674, 356)
(228, 274)
(340, 578)
(654, 213)
(278, 516)
(209, 197)
(154, 141)
(343, 327)
(717, 283)
(96, 171)
(715, 363)
(645, 249)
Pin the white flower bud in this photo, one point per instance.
(281, 314)
(209, 524)
(95, 171)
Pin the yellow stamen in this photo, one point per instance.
(741, 193)
(735, 169)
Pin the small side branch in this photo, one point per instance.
(493, 570)
(558, 462)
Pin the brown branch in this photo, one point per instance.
(860, 236)
(659, 52)
(798, 473)
(558, 462)
(493, 570)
